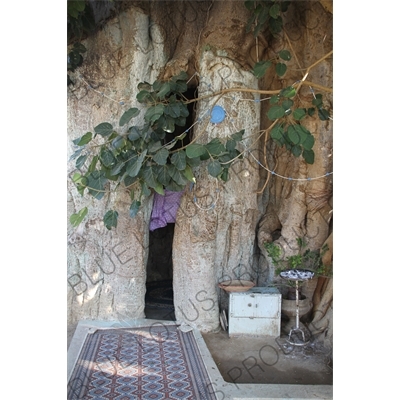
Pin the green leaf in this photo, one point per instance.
(128, 115)
(274, 11)
(76, 219)
(188, 173)
(225, 175)
(275, 24)
(118, 142)
(85, 139)
(276, 132)
(238, 136)
(93, 163)
(104, 129)
(260, 68)
(194, 162)
(293, 135)
(135, 164)
(145, 190)
(176, 175)
(154, 147)
(179, 160)
(161, 156)
(296, 150)
(195, 150)
(215, 147)
(164, 89)
(275, 112)
(159, 189)
(163, 175)
(280, 69)
(317, 101)
(153, 113)
(288, 92)
(308, 156)
(81, 161)
(143, 96)
(173, 110)
(134, 133)
(230, 144)
(214, 168)
(323, 114)
(299, 113)
(274, 99)
(150, 176)
(134, 208)
(309, 143)
(107, 158)
(110, 219)
(287, 103)
(285, 55)
(117, 169)
(96, 183)
(302, 131)
(182, 76)
(311, 111)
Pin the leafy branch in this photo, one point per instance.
(143, 156)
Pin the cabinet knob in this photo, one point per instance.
(249, 304)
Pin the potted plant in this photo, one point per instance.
(304, 259)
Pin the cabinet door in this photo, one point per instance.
(254, 306)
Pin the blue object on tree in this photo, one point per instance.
(217, 114)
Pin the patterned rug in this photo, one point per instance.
(156, 362)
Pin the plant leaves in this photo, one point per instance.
(274, 11)
(188, 173)
(293, 135)
(161, 156)
(81, 161)
(128, 115)
(85, 139)
(195, 150)
(323, 114)
(285, 55)
(134, 133)
(110, 219)
(308, 156)
(299, 113)
(280, 69)
(276, 132)
(309, 143)
(164, 89)
(215, 147)
(288, 92)
(104, 129)
(153, 113)
(238, 136)
(214, 168)
(96, 183)
(134, 208)
(76, 219)
(275, 112)
(107, 158)
(135, 164)
(177, 175)
(296, 150)
(179, 160)
(260, 68)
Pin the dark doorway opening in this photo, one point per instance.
(159, 282)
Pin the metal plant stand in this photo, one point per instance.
(297, 275)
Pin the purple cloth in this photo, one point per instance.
(164, 209)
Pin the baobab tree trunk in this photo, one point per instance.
(221, 227)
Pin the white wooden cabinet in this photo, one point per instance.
(255, 312)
